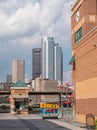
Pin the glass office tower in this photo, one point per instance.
(51, 59)
(58, 63)
(48, 58)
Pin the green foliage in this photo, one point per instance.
(4, 100)
(96, 124)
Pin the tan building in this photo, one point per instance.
(37, 87)
(84, 57)
(18, 70)
(46, 86)
(49, 86)
(38, 84)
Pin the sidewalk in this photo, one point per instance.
(69, 124)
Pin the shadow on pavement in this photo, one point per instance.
(29, 124)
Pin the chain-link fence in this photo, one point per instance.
(66, 113)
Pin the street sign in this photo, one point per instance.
(49, 110)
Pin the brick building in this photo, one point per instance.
(19, 98)
(84, 57)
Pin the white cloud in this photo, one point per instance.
(50, 12)
(20, 23)
(46, 17)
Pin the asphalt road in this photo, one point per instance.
(28, 122)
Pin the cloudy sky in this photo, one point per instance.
(22, 25)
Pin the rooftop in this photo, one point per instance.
(19, 83)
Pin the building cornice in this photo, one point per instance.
(76, 5)
(19, 88)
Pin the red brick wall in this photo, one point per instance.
(85, 74)
(19, 91)
(87, 9)
(86, 106)
(86, 58)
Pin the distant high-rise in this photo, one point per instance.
(58, 63)
(36, 62)
(51, 59)
(18, 70)
(9, 78)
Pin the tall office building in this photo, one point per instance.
(36, 62)
(51, 55)
(18, 70)
(58, 63)
(48, 58)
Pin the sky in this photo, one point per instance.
(22, 25)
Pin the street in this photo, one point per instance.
(27, 122)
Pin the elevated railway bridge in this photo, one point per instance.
(2, 93)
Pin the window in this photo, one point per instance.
(78, 35)
(73, 66)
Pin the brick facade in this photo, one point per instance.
(18, 94)
(84, 76)
(86, 57)
(19, 91)
(88, 17)
(84, 107)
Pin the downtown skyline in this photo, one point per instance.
(24, 23)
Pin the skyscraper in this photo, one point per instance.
(58, 63)
(18, 70)
(48, 58)
(36, 62)
(51, 59)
